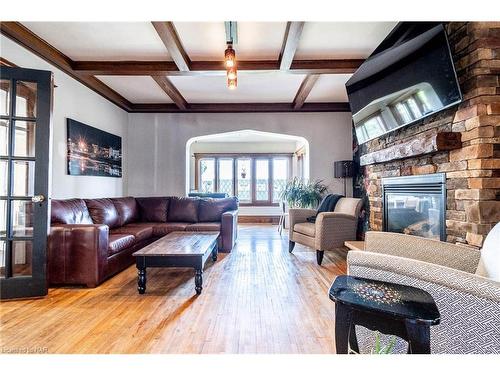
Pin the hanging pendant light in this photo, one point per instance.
(231, 73)
(229, 57)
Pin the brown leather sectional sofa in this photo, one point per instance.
(92, 239)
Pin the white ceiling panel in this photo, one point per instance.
(329, 88)
(338, 40)
(102, 40)
(272, 87)
(259, 40)
(137, 89)
(202, 40)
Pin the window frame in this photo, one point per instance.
(253, 157)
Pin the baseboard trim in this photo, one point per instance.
(258, 219)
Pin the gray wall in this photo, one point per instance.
(157, 144)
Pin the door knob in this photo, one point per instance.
(37, 198)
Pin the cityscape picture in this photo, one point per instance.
(93, 152)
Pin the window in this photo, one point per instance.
(244, 177)
(262, 180)
(280, 176)
(225, 176)
(207, 175)
(256, 179)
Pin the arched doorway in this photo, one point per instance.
(250, 164)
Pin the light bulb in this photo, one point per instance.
(232, 83)
(231, 73)
(229, 57)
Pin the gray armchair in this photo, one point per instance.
(331, 229)
(469, 304)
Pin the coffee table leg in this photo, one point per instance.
(198, 281)
(419, 338)
(214, 254)
(141, 280)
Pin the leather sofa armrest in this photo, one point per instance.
(229, 229)
(77, 254)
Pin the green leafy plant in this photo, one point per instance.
(379, 348)
(303, 194)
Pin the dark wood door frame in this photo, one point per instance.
(34, 285)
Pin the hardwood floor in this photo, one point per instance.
(257, 299)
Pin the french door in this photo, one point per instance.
(25, 126)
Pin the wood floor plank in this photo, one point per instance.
(257, 299)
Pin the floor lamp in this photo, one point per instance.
(343, 169)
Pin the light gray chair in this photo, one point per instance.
(330, 230)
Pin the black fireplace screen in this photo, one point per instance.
(415, 205)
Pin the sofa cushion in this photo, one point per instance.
(127, 208)
(162, 229)
(141, 231)
(119, 242)
(69, 211)
(309, 229)
(204, 227)
(103, 211)
(211, 209)
(489, 263)
(153, 209)
(183, 209)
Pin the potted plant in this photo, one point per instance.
(303, 194)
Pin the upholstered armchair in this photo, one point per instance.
(469, 304)
(330, 230)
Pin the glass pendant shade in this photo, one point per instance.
(231, 73)
(232, 83)
(230, 57)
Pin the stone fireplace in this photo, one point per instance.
(460, 145)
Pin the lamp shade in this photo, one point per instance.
(342, 168)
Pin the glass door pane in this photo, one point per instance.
(207, 175)
(226, 176)
(244, 180)
(280, 176)
(262, 180)
(4, 97)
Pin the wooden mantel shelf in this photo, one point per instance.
(419, 145)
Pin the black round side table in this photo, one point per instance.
(389, 308)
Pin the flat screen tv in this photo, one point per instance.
(408, 77)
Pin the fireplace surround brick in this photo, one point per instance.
(472, 171)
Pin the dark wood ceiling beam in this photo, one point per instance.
(290, 43)
(141, 68)
(303, 92)
(24, 37)
(169, 88)
(239, 107)
(171, 40)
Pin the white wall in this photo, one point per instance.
(76, 101)
(157, 144)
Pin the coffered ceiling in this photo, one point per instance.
(178, 66)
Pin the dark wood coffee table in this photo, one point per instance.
(393, 309)
(177, 249)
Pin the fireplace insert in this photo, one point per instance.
(415, 205)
